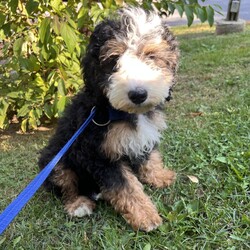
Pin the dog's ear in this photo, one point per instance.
(168, 36)
(104, 31)
(91, 61)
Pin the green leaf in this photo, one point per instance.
(31, 64)
(97, 13)
(56, 25)
(222, 159)
(210, 15)
(246, 154)
(193, 207)
(189, 13)
(171, 7)
(6, 28)
(3, 121)
(55, 4)
(17, 46)
(61, 87)
(39, 82)
(3, 107)
(23, 111)
(45, 53)
(193, 1)
(34, 63)
(48, 110)
(83, 18)
(201, 14)
(245, 219)
(179, 9)
(237, 172)
(31, 6)
(13, 5)
(147, 247)
(3, 113)
(34, 116)
(61, 104)
(32, 123)
(24, 125)
(16, 241)
(235, 237)
(44, 32)
(69, 36)
(2, 19)
(14, 94)
(39, 112)
(24, 63)
(2, 240)
(217, 6)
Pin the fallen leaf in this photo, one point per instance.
(43, 129)
(194, 114)
(193, 178)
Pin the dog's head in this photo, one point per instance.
(131, 60)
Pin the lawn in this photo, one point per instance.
(207, 143)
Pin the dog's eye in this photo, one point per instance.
(151, 56)
(110, 63)
(158, 60)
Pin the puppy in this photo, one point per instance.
(129, 68)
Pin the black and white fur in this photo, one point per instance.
(129, 66)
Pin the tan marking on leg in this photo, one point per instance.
(134, 205)
(67, 180)
(75, 205)
(154, 173)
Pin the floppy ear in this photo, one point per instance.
(173, 46)
(104, 31)
(168, 35)
(91, 62)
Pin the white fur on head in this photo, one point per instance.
(133, 73)
(143, 62)
(140, 23)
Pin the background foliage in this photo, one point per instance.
(41, 42)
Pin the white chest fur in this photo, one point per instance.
(122, 139)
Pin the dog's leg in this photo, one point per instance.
(75, 205)
(134, 205)
(154, 173)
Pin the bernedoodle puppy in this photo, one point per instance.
(129, 68)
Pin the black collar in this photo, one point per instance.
(107, 114)
(118, 115)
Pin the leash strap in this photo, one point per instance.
(15, 207)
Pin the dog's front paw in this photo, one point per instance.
(80, 207)
(154, 173)
(165, 178)
(158, 177)
(144, 218)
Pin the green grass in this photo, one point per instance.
(208, 136)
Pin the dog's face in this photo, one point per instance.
(138, 61)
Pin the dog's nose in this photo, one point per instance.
(138, 95)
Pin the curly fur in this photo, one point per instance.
(133, 51)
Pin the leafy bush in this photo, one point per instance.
(41, 42)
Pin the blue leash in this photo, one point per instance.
(15, 207)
